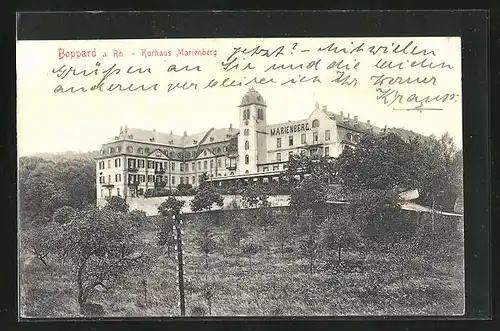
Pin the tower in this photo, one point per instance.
(252, 140)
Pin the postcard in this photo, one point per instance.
(240, 177)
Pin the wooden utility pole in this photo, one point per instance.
(178, 236)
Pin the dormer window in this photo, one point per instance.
(349, 136)
(140, 150)
(152, 139)
(146, 150)
(130, 149)
(315, 124)
(130, 136)
(171, 142)
(102, 151)
(195, 142)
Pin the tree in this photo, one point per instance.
(256, 196)
(337, 232)
(42, 240)
(137, 217)
(204, 238)
(309, 243)
(250, 249)
(310, 194)
(63, 214)
(237, 231)
(283, 233)
(117, 204)
(205, 199)
(101, 247)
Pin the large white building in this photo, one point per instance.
(137, 160)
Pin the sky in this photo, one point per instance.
(83, 121)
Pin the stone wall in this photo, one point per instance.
(150, 205)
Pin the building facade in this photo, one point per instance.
(137, 160)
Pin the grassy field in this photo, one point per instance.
(265, 284)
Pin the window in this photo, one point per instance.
(140, 150)
(182, 167)
(101, 165)
(260, 114)
(247, 159)
(327, 151)
(150, 165)
(265, 169)
(278, 157)
(211, 164)
(118, 192)
(218, 150)
(111, 150)
(118, 178)
(349, 136)
(101, 180)
(278, 142)
(146, 150)
(246, 114)
(303, 138)
(199, 165)
(327, 135)
(315, 137)
(247, 145)
(193, 179)
(205, 164)
(140, 163)
(151, 178)
(205, 152)
(246, 132)
(173, 180)
(182, 180)
(290, 154)
(130, 149)
(118, 163)
(165, 165)
(165, 179)
(142, 178)
(193, 166)
(131, 163)
(109, 163)
(219, 163)
(118, 149)
(290, 141)
(356, 139)
(276, 167)
(315, 124)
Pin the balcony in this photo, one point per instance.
(108, 185)
(133, 183)
(160, 184)
(159, 171)
(231, 167)
(133, 169)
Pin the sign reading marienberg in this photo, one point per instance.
(289, 129)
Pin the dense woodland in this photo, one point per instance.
(364, 257)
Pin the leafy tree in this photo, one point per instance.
(137, 217)
(101, 247)
(309, 243)
(237, 231)
(63, 214)
(310, 194)
(255, 195)
(185, 189)
(42, 240)
(117, 204)
(205, 238)
(171, 206)
(250, 249)
(205, 199)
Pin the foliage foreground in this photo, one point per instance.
(256, 272)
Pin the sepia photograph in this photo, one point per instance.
(240, 177)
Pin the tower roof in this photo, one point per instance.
(252, 97)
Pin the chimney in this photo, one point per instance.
(355, 118)
(121, 129)
(368, 122)
(341, 113)
(125, 128)
(185, 133)
(324, 108)
(154, 130)
(230, 126)
(170, 132)
(348, 115)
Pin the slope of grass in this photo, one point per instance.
(265, 284)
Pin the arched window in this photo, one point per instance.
(111, 150)
(247, 132)
(260, 114)
(315, 124)
(118, 149)
(231, 173)
(246, 114)
(218, 150)
(247, 145)
(130, 149)
(140, 150)
(146, 150)
(349, 136)
(247, 159)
